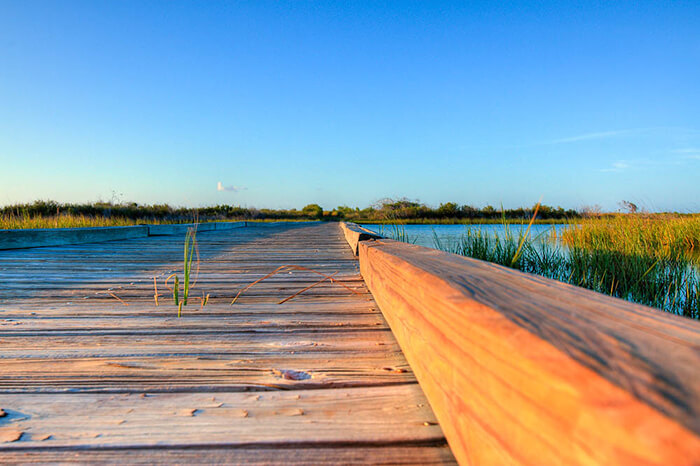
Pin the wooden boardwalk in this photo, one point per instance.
(92, 370)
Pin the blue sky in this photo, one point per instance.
(288, 103)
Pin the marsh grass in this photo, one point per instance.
(661, 236)
(190, 252)
(16, 222)
(190, 241)
(22, 222)
(395, 230)
(644, 260)
(62, 220)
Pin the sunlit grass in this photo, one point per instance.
(190, 242)
(190, 251)
(395, 231)
(11, 222)
(661, 236)
(648, 260)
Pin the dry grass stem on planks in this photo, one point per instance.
(293, 267)
(204, 300)
(116, 297)
(330, 277)
(155, 289)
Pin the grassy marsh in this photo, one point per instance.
(650, 260)
(663, 236)
(12, 221)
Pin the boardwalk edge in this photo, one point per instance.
(43, 237)
(522, 369)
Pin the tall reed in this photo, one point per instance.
(396, 232)
(190, 251)
(632, 259)
(14, 222)
(190, 238)
(661, 236)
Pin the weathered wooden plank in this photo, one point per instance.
(228, 225)
(198, 343)
(64, 338)
(355, 233)
(166, 319)
(106, 306)
(182, 372)
(179, 228)
(140, 287)
(379, 415)
(370, 453)
(282, 223)
(52, 237)
(322, 345)
(520, 368)
(182, 228)
(32, 238)
(49, 237)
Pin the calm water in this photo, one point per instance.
(673, 299)
(423, 234)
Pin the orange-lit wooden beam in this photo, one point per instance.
(355, 233)
(520, 369)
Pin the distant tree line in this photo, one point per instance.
(386, 210)
(407, 210)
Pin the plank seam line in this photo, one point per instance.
(241, 446)
(209, 389)
(48, 333)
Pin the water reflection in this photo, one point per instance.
(424, 235)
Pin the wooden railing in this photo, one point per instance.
(355, 233)
(38, 237)
(521, 369)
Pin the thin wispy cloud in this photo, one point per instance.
(599, 135)
(651, 163)
(688, 153)
(618, 166)
(687, 150)
(233, 189)
(673, 132)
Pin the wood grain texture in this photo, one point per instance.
(181, 228)
(355, 233)
(178, 229)
(524, 370)
(300, 454)
(45, 237)
(84, 375)
(382, 415)
(228, 225)
(40, 237)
